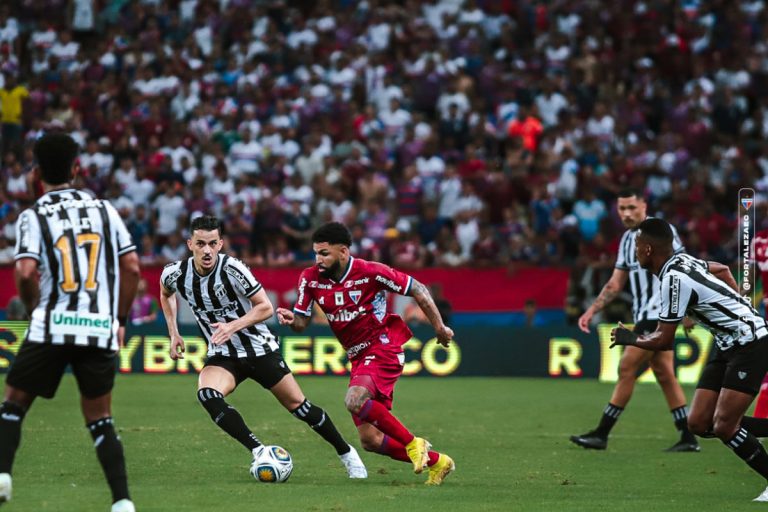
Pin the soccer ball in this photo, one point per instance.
(274, 465)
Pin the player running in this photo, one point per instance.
(739, 360)
(351, 292)
(230, 307)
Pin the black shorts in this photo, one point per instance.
(267, 370)
(740, 368)
(38, 368)
(645, 327)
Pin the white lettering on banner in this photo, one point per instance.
(80, 324)
(389, 283)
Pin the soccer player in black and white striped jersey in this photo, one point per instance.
(739, 360)
(88, 271)
(645, 308)
(230, 307)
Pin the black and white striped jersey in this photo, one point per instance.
(687, 287)
(77, 241)
(644, 285)
(221, 296)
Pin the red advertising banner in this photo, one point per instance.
(468, 290)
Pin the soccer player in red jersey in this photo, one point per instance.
(352, 294)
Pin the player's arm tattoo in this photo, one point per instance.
(608, 293)
(424, 299)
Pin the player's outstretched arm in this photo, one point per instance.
(27, 283)
(609, 292)
(169, 304)
(723, 273)
(662, 338)
(261, 309)
(297, 323)
(424, 299)
(129, 284)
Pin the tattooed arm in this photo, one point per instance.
(423, 298)
(609, 292)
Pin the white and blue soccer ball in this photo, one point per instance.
(273, 465)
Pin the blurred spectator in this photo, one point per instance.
(12, 96)
(145, 307)
(15, 310)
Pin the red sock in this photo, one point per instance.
(395, 450)
(378, 416)
(761, 408)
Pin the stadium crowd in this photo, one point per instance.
(444, 132)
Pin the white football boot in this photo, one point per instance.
(354, 464)
(123, 506)
(5, 487)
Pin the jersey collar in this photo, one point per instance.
(349, 269)
(665, 265)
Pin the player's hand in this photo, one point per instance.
(223, 331)
(284, 316)
(622, 336)
(444, 335)
(177, 348)
(585, 319)
(688, 325)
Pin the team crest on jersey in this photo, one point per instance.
(355, 295)
(339, 297)
(219, 291)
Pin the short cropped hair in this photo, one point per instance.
(628, 192)
(205, 223)
(333, 233)
(55, 154)
(657, 231)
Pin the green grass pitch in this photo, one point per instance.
(509, 438)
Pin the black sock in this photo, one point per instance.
(109, 450)
(680, 415)
(611, 413)
(227, 417)
(11, 416)
(758, 427)
(749, 449)
(321, 423)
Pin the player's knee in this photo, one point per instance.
(699, 426)
(355, 400)
(724, 427)
(627, 370)
(370, 444)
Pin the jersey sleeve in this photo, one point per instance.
(242, 278)
(125, 243)
(27, 236)
(304, 298)
(675, 296)
(621, 257)
(170, 275)
(677, 244)
(389, 279)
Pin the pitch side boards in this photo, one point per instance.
(558, 352)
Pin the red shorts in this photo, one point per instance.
(377, 370)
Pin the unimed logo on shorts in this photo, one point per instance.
(80, 324)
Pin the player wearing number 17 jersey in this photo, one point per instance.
(352, 294)
(88, 270)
